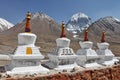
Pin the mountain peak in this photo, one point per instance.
(109, 19)
(4, 24)
(41, 15)
(78, 23)
(78, 15)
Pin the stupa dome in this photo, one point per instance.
(63, 42)
(86, 44)
(103, 46)
(26, 39)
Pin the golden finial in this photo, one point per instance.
(63, 24)
(28, 17)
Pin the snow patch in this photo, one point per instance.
(4, 24)
(117, 19)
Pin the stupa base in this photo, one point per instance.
(110, 62)
(92, 65)
(61, 67)
(28, 70)
(66, 67)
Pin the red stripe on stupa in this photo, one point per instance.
(86, 35)
(28, 18)
(103, 37)
(63, 30)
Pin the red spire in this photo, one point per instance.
(63, 30)
(86, 35)
(28, 18)
(103, 37)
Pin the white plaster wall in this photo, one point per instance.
(26, 39)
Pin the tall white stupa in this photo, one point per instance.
(87, 57)
(106, 56)
(62, 57)
(26, 58)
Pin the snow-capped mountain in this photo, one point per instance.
(41, 15)
(78, 22)
(4, 24)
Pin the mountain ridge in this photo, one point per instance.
(5, 25)
(111, 27)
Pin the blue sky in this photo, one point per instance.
(61, 10)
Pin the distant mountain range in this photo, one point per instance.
(48, 30)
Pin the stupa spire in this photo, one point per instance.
(28, 18)
(63, 30)
(103, 37)
(86, 35)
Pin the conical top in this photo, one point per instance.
(28, 18)
(63, 30)
(86, 35)
(103, 37)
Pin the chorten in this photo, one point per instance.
(87, 57)
(62, 57)
(106, 56)
(26, 58)
(4, 61)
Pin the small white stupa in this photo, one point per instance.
(87, 57)
(106, 56)
(62, 57)
(27, 56)
(4, 61)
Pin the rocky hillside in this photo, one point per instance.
(111, 26)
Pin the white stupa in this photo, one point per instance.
(27, 56)
(87, 57)
(62, 57)
(4, 61)
(106, 56)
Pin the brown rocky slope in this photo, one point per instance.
(111, 26)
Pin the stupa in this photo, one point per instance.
(87, 57)
(26, 58)
(106, 56)
(4, 61)
(62, 57)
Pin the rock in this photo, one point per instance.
(64, 70)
